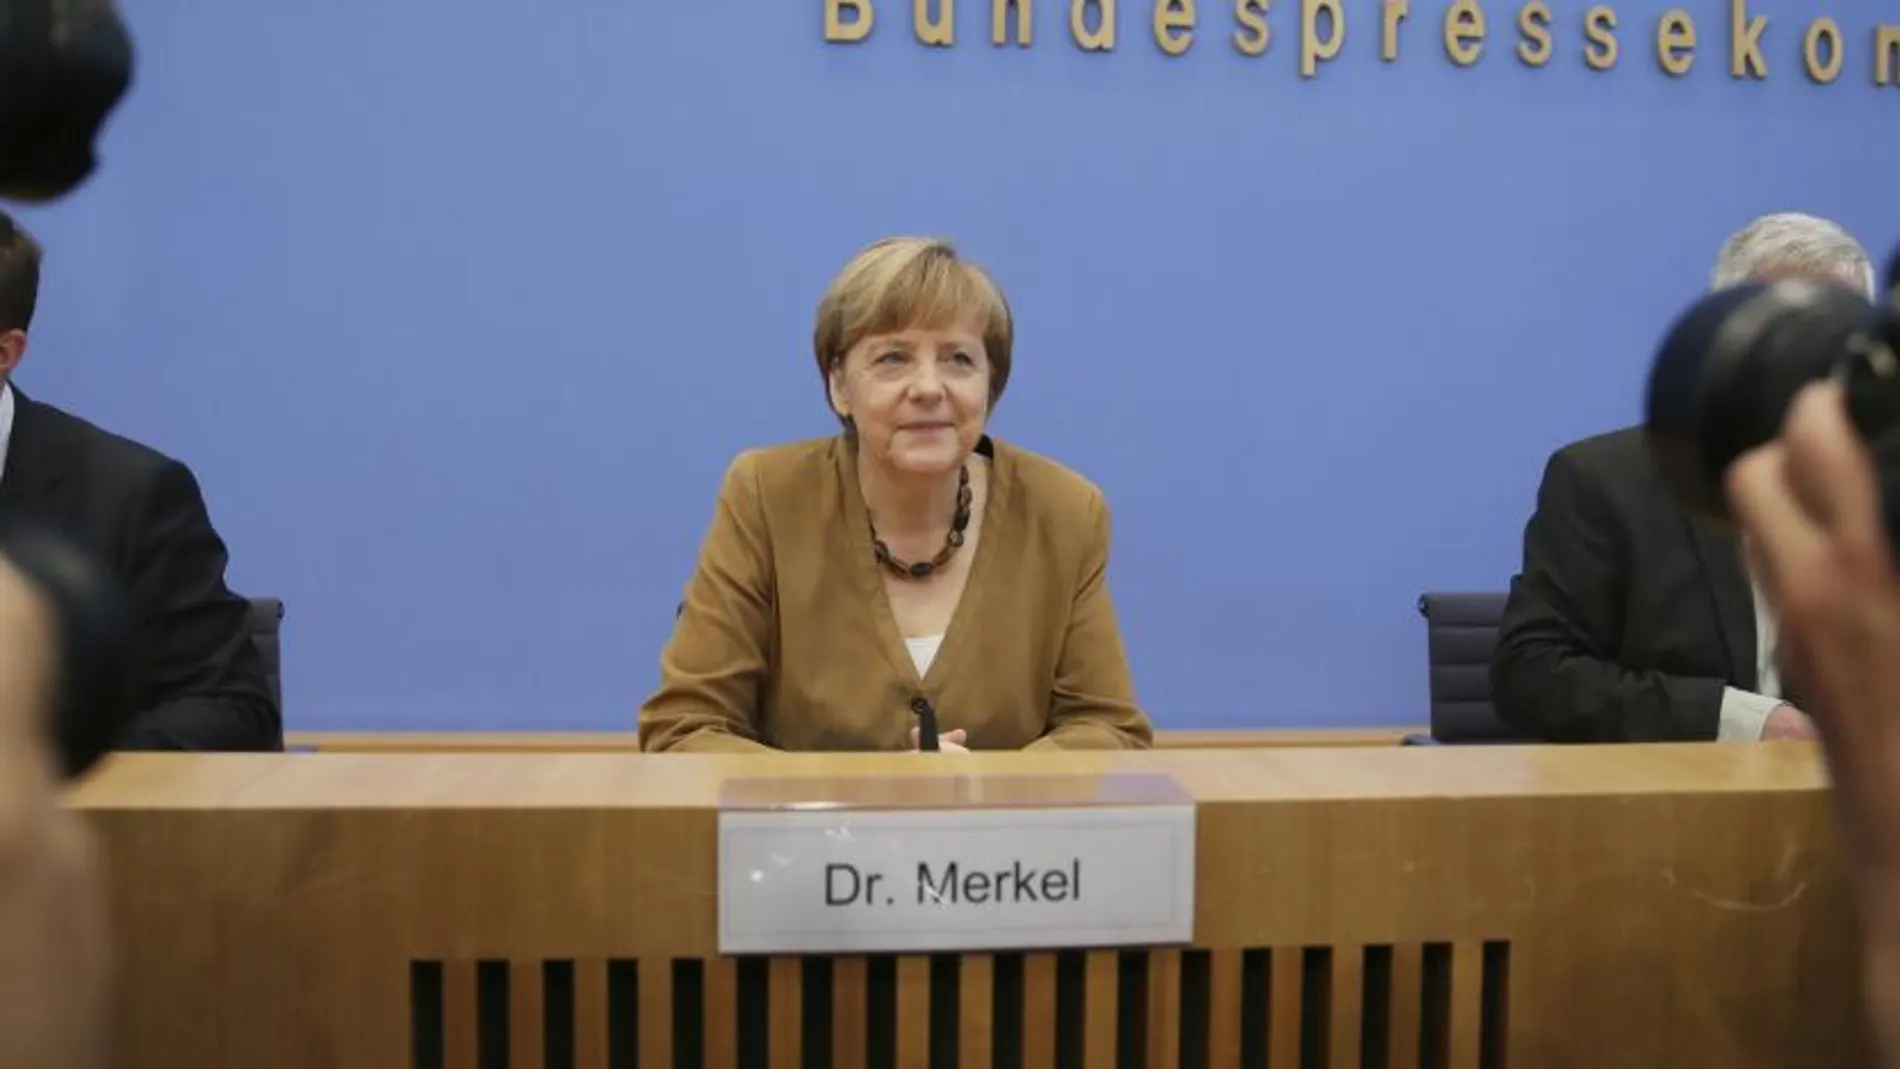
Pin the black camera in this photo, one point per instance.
(1732, 364)
(64, 65)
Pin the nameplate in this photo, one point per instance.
(986, 868)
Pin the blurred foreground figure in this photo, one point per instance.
(1810, 503)
(53, 951)
(63, 676)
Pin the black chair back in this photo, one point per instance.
(267, 624)
(1461, 631)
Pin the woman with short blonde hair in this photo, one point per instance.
(911, 572)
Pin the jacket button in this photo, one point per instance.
(920, 705)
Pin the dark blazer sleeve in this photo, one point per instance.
(205, 687)
(1554, 674)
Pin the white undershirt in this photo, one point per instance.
(923, 651)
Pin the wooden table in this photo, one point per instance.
(628, 741)
(1539, 908)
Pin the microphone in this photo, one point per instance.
(64, 65)
(926, 725)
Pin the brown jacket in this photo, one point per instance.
(787, 640)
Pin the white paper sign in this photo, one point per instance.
(849, 880)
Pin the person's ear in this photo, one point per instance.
(12, 350)
(840, 400)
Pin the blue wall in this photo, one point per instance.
(460, 309)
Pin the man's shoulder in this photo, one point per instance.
(1615, 470)
(1621, 448)
(1616, 462)
(71, 439)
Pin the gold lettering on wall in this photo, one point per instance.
(1102, 37)
(1313, 50)
(1464, 32)
(1823, 29)
(1675, 42)
(999, 22)
(837, 29)
(1395, 12)
(1533, 23)
(940, 32)
(1744, 48)
(1886, 54)
(1174, 25)
(1599, 25)
(1254, 36)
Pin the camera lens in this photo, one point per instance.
(1730, 367)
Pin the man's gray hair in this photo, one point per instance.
(1790, 243)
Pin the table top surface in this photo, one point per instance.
(680, 781)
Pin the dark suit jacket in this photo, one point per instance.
(200, 684)
(1630, 615)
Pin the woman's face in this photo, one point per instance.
(920, 397)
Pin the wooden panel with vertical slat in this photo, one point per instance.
(850, 999)
(525, 1039)
(1407, 1010)
(725, 1019)
(1223, 1008)
(1283, 1024)
(1164, 1009)
(719, 1013)
(460, 1013)
(976, 1000)
(1346, 1006)
(592, 1021)
(1414, 908)
(1039, 1009)
(788, 995)
(1101, 1027)
(655, 979)
(913, 1012)
(1467, 1011)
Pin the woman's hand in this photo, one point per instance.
(948, 742)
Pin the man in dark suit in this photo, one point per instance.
(201, 684)
(1631, 620)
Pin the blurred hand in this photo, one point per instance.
(1810, 503)
(53, 955)
(1787, 722)
(947, 742)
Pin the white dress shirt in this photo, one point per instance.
(6, 423)
(1745, 713)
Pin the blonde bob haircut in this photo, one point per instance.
(907, 283)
